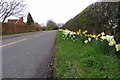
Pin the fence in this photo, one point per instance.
(8, 28)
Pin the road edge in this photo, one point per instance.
(50, 69)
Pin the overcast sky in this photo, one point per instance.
(59, 11)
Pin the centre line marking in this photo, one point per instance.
(13, 42)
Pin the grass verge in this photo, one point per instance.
(19, 33)
(80, 60)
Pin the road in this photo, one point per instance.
(28, 55)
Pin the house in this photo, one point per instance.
(16, 21)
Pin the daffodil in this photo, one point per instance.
(73, 36)
(71, 33)
(103, 37)
(117, 46)
(94, 36)
(91, 35)
(86, 35)
(66, 32)
(86, 41)
(60, 30)
(80, 35)
(112, 42)
(84, 32)
(109, 38)
(98, 35)
(89, 39)
(103, 33)
(78, 32)
(74, 32)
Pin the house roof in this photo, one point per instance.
(13, 21)
(16, 21)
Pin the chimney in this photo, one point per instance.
(21, 19)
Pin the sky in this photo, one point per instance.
(60, 11)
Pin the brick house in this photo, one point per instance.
(16, 21)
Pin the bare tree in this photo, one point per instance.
(52, 25)
(11, 8)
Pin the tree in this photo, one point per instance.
(60, 24)
(51, 25)
(30, 20)
(11, 8)
(36, 24)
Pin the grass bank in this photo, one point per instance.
(80, 60)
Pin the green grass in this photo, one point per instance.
(79, 60)
(18, 33)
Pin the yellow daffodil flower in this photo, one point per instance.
(91, 35)
(109, 38)
(89, 39)
(79, 31)
(117, 46)
(98, 35)
(112, 42)
(103, 37)
(88, 35)
(80, 35)
(66, 32)
(94, 36)
(103, 33)
(84, 32)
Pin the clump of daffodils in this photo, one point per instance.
(88, 37)
(60, 30)
(110, 39)
(68, 34)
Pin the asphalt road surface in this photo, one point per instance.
(27, 55)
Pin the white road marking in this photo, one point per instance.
(13, 42)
